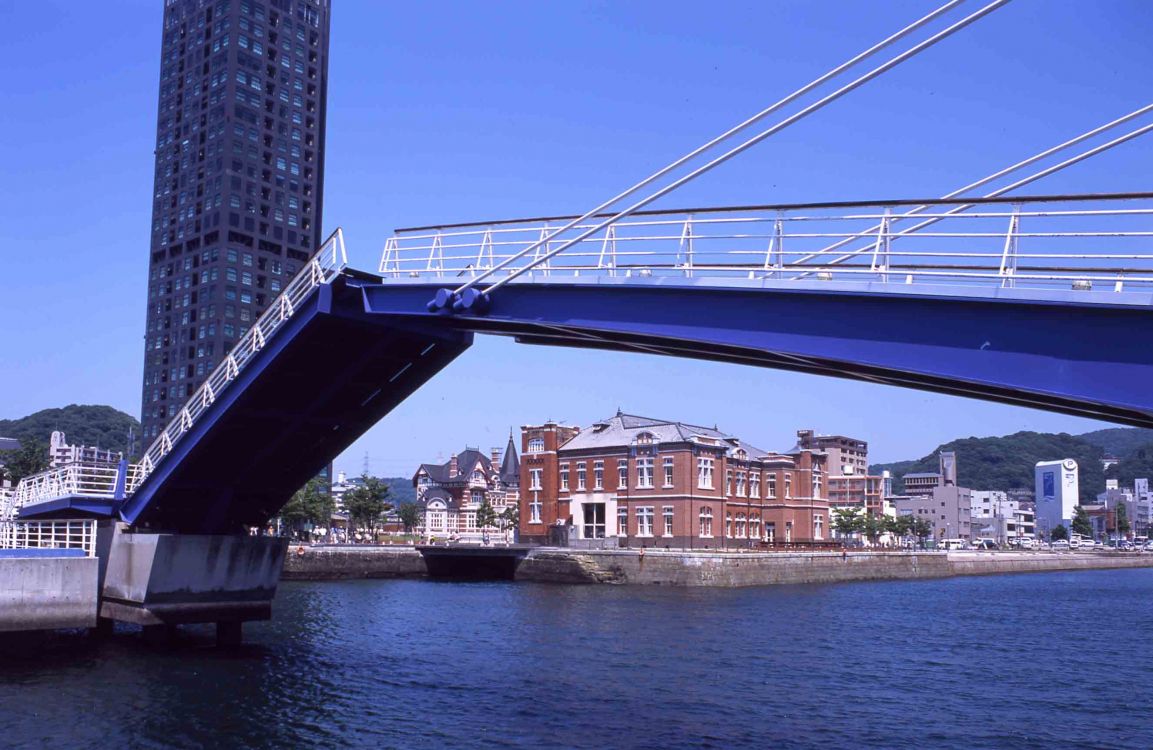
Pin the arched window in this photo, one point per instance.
(729, 525)
(741, 529)
(536, 445)
(706, 522)
(645, 438)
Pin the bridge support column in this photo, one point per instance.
(172, 579)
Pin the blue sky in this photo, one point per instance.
(442, 112)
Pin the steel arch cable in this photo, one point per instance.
(891, 63)
(996, 175)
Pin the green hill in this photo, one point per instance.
(1119, 441)
(101, 426)
(400, 490)
(1002, 463)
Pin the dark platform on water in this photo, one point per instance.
(473, 562)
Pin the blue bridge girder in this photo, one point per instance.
(361, 345)
(1086, 353)
(316, 386)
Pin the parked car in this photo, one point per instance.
(985, 544)
(1060, 545)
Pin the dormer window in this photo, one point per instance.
(645, 438)
(478, 476)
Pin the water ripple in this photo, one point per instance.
(1030, 661)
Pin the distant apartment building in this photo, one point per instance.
(998, 517)
(865, 492)
(635, 481)
(1056, 494)
(847, 459)
(846, 456)
(936, 498)
(60, 453)
(450, 494)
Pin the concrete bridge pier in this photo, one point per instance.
(161, 581)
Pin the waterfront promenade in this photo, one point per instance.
(712, 568)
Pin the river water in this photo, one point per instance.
(1020, 661)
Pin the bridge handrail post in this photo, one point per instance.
(881, 247)
(685, 248)
(436, 256)
(609, 247)
(774, 255)
(1009, 253)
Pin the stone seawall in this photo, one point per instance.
(669, 568)
(334, 563)
(659, 567)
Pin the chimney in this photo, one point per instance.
(453, 470)
(496, 457)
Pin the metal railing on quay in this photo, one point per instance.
(1064, 242)
(55, 534)
(323, 268)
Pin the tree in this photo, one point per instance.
(310, 504)
(873, 526)
(1059, 533)
(902, 525)
(409, 514)
(920, 528)
(847, 521)
(30, 458)
(509, 517)
(485, 515)
(366, 503)
(1122, 519)
(1081, 524)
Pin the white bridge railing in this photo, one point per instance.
(325, 266)
(96, 479)
(88, 479)
(57, 534)
(1064, 242)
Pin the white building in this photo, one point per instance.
(1057, 491)
(1143, 518)
(996, 517)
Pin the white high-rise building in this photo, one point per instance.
(1057, 493)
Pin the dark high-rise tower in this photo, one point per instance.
(239, 180)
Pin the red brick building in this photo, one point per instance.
(651, 482)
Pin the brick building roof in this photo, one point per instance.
(625, 429)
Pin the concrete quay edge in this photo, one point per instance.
(703, 568)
